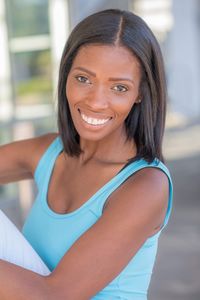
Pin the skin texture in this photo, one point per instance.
(136, 209)
(93, 88)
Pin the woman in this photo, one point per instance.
(104, 193)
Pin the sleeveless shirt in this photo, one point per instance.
(51, 234)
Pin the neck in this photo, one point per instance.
(111, 149)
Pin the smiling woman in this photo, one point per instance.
(102, 87)
(104, 192)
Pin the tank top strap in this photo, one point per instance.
(47, 161)
(130, 170)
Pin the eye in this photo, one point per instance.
(120, 88)
(82, 79)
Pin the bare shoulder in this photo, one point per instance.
(146, 192)
(19, 159)
(151, 177)
(37, 146)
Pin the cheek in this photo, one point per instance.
(73, 93)
(123, 105)
(70, 91)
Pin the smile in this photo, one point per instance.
(93, 121)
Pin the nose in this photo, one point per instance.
(98, 100)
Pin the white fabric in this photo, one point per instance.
(15, 248)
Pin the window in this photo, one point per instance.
(27, 17)
(32, 77)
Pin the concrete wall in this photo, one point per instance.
(79, 9)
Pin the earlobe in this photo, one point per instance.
(138, 100)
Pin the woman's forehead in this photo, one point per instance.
(107, 51)
(110, 58)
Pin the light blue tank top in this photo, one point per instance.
(52, 234)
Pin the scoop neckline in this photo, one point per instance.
(44, 192)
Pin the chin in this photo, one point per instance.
(95, 137)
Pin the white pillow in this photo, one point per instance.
(16, 249)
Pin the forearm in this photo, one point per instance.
(20, 284)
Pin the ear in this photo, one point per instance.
(138, 100)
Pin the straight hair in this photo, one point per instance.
(146, 120)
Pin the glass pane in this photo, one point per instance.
(32, 77)
(27, 17)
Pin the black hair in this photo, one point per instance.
(146, 120)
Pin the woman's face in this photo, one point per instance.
(102, 87)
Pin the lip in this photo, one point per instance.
(92, 115)
(96, 116)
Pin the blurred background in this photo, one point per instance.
(32, 36)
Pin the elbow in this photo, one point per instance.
(52, 289)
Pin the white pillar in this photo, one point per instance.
(184, 59)
(59, 28)
(6, 105)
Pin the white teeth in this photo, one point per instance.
(94, 121)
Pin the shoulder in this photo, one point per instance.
(20, 158)
(40, 143)
(38, 146)
(146, 194)
(152, 178)
(29, 151)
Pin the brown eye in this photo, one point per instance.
(120, 88)
(82, 79)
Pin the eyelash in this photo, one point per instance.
(125, 89)
(79, 76)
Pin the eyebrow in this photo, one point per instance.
(110, 78)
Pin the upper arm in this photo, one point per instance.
(104, 250)
(19, 159)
